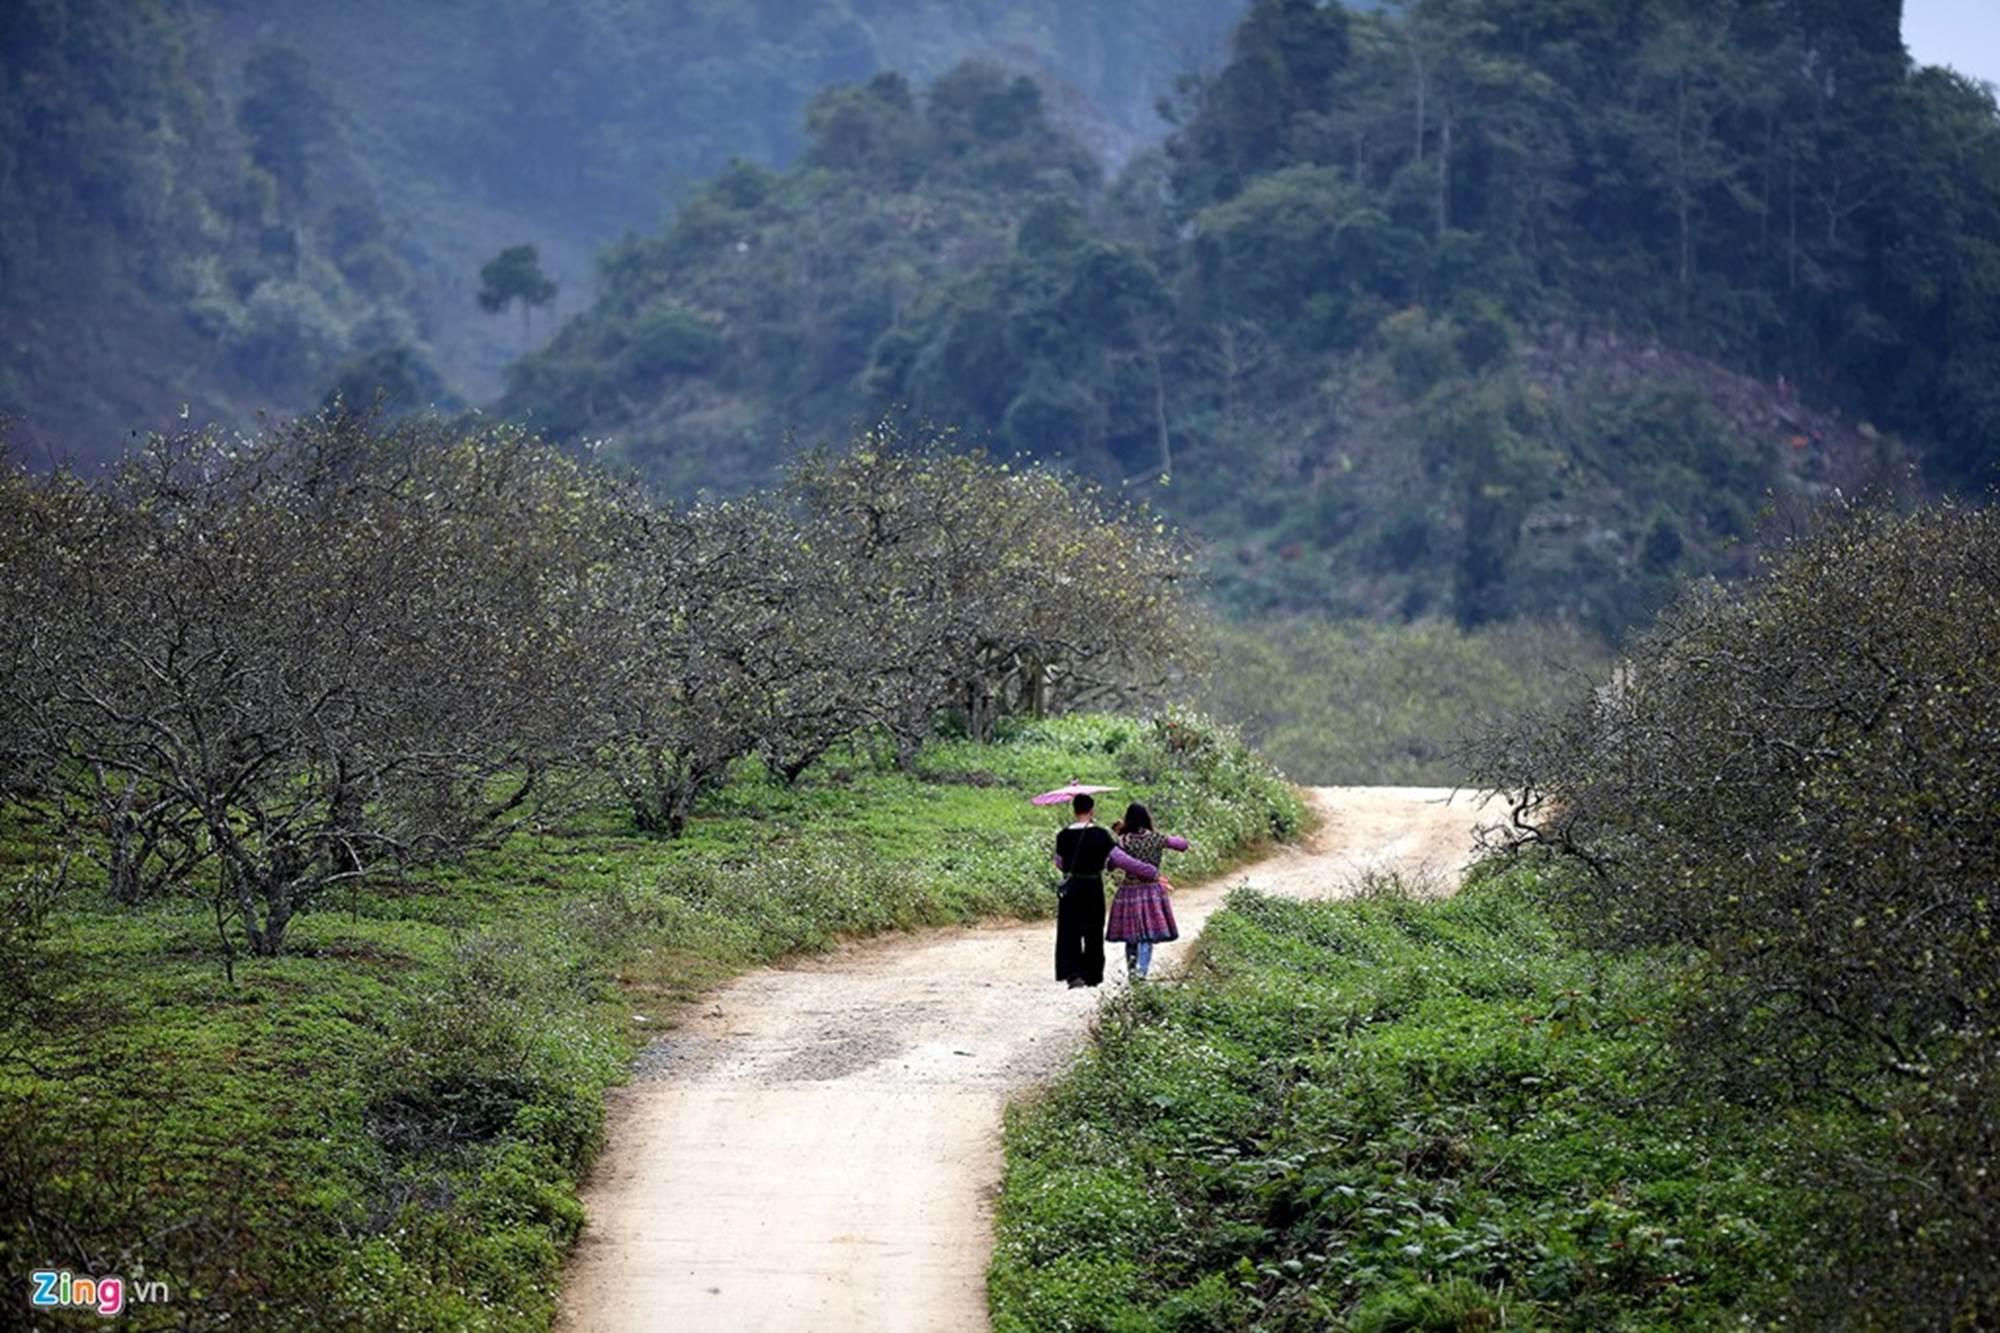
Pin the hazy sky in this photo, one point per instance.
(1964, 34)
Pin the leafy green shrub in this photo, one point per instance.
(1195, 772)
(28, 899)
(670, 339)
(396, 375)
(1078, 732)
(288, 334)
(792, 899)
(1415, 1305)
(1486, 337)
(492, 1015)
(1423, 351)
(1404, 540)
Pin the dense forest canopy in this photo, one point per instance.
(1777, 190)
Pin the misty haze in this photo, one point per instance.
(1140, 665)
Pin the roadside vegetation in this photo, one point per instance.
(384, 1126)
(368, 795)
(1712, 1038)
(1386, 1114)
(1794, 783)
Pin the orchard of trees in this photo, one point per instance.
(249, 670)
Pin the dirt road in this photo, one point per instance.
(818, 1146)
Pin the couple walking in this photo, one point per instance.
(1142, 915)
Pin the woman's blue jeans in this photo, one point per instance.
(1138, 956)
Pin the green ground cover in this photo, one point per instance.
(1392, 1113)
(384, 1127)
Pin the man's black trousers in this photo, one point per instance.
(1080, 931)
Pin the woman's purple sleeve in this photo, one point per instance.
(1177, 842)
(1132, 865)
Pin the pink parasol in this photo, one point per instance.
(1061, 795)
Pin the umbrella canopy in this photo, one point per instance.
(1061, 795)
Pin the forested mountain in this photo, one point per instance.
(1416, 309)
(238, 205)
(170, 237)
(1489, 306)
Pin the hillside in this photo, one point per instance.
(238, 206)
(180, 237)
(1473, 309)
(1580, 478)
(1527, 359)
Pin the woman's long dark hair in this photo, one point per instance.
(1138, 819)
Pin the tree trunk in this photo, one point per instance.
(265, 937)
(270, 941)
(222, 935)
(680, 808)
(1422, 85)
(1682, 190)
(648, 796)
(1160, 414)
(125, 855)
(1444, 172)
(979, 712)
(653, 809)
(1791, 223)
(344, 825)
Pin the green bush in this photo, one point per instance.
(1200, 778)
(288, 334)
(1423, 351)
(670, 339)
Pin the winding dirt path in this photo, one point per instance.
(818, 1146)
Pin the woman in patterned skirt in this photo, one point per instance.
(1142, 914)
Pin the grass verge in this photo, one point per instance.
(383, 1129)
(1391, 1113)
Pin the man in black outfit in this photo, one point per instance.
(1082, 852)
